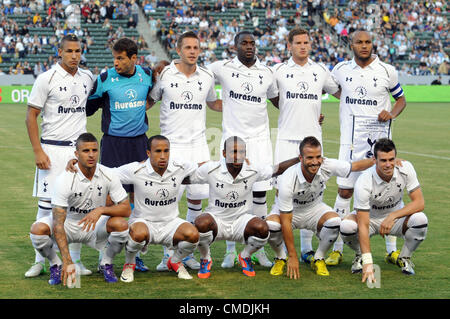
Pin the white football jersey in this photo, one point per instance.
(379, 197)
(244, 94)
(155, 196)
(62, 100)
(365, 91)
(81, 195)
(183, 103)
(228, 197)
(296, 194)
(300, 90)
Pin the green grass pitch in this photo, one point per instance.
(421, 134)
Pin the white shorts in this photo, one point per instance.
(346, 182)
(375, 223)
(96, 238)
(258, 150)
(44, 178)
(195, 153)
(232, 230)
(160, 233)
(307, 218)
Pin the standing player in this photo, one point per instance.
(155, 220)
(300, 83)
(122, 94)
(228, 215)
(246, 86)
(185, 89)
(379, 209)
(366, 85)
(60, 94)
(301, 205)
(80, 214)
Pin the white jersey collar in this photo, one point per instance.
(151, 171)
(84, 178)
(63, 72)
(370, 66)
(302, 179)
(174, 69)
(239, 64)
(379, 180)
(291, 63)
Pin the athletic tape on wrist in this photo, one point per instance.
(367, 258)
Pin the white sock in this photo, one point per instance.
(203, 244)
(44, 245)
(75, 251)
(44, 210)
(231, 246)
(260, 207)
(349, 234)
(391, 243)
(327, 236)
(183, 249)
(339, 244)
(131, 249)
(342, 205)
(306, 240)
(253, 244)
(276, 240)
(415, 234)
(193, 211)
(116, 241)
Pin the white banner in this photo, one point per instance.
(366, 131)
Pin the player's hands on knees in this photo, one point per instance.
(386, 225)
(368, 273)
(292, 270)
(91, 219)
(385, 116)
(68, 273)
(42, 160)
(71, 165)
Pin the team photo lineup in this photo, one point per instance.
(119, 193)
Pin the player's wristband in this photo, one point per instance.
(367, 258)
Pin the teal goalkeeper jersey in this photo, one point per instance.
(122, 99)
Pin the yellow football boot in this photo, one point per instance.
(320, 267)
(334, 258)
(278, 267)
(392, 257)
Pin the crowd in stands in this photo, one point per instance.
(62, 17)
(398, 26)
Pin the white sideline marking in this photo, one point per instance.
(406, 152)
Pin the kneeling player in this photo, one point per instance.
(155, 220)
(300, 206)
(80, 214)
(379, 209)
(228, 215)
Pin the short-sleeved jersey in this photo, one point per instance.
(123, 100)
(61, 98)
(230, 198)
(365, 91)
(295, 193)
(183, 103)
(155, 196)
(300, 91)
(244, 94)
(380, 197)
(81, 195)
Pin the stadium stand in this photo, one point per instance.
(412, 35)
(30, 31)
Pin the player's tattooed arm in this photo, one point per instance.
(59, 217)
(281, 167)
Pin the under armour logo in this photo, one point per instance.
(173, 85)
(348, 79)
(234, 75)
(78, 194)
(45, 186)
(375, 81)
(148, 183)
(199, 86)
(260, 79)
(289, 76)
(245, 182)
(340, 211)
(62, 88)
(174, 180)
(315, 77)
(300, 193)
(115, 79)
(377, 195)
(99, 190)
(219, 185)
